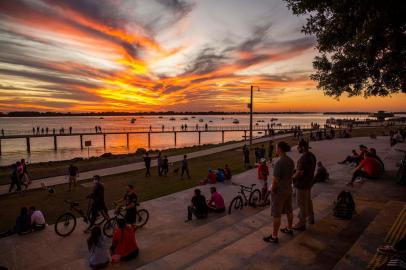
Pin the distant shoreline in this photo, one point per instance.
(100, 114)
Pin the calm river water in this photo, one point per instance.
(69, 147)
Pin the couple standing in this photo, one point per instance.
(281, 189)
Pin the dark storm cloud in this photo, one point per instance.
(205, 62)
(257, 38)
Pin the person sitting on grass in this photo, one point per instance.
(216, 202)
(124, 246)
(37, 219)
(198, 208)
(23, 222)
(321, 174)
(369, 168)
(97, 245)
(210, 179)
(220, 175)
(227, 172)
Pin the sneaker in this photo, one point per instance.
(287, 231)
(271, 239)
(359, 180)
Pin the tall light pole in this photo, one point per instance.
(251, 106)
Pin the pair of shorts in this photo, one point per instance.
(281, 203)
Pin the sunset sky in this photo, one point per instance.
(158, 55)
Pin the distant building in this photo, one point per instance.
(381, 115)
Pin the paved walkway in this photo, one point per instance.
(45, 250)
(63, 179)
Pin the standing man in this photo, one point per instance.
(246, 156)
(159, 163)
(303, 182)
(98, 204)
(185, 167)
(281, 192)
(147, 161)
(270, 151)
(73, 173)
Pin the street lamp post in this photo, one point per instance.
(251, 106)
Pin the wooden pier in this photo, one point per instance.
(262, 129)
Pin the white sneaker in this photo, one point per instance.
(359, 180)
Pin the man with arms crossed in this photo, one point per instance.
(303, 182)
(281, 192)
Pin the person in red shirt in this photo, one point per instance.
(263, 173)
(210, 179)
(124, 245)
(369, 168)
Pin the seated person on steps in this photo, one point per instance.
(321, 173)
(37, 219)
(216, 202)
(369, 168)
(198, 208)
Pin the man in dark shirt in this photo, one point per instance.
(303, 182)
(147, 161)
(97, 204)
(130, 199)
(73, 172)
(185, 167)
(198, 207)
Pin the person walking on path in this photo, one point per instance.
(281, 192)
(147, 161)
(270, 150)
(165, 166)
(14, 181)
(25, 178)
(303, 182)
(73, 173)
(246, 156)
(159, 163)
(185, 167)
(70, 130)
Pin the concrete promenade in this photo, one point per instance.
(63, 179)
(222, 241)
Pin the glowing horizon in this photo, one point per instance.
(160, 55)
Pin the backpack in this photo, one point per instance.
(344, 206)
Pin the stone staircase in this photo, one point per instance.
(235, 241)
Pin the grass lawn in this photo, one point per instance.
(147, 188)
(56, 168)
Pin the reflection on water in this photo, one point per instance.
(69, 147)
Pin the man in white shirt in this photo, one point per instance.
(37, 219)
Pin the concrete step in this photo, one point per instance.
(211, 243)
(322, 245)
(239, 253)
(363, 250)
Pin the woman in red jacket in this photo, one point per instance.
(263, 173)
(124, 245)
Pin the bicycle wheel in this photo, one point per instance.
(65, 224)
(142, 218)
(109, 226)
(236, 203)
(255, 198)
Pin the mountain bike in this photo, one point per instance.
(66, 223)
(142, 217)
(401, 174)
(252, 197)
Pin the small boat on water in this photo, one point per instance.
(160, 117)
(210, 121)
(133, 120)
(236, 121)
(274, 119)
(193, 116)
(101, 117)
(184, 118)
(172, 118)
(201, 120)
(222, 118)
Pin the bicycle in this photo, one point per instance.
(142, 217)
(242, 200)
(401, 174)
(66, 223)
